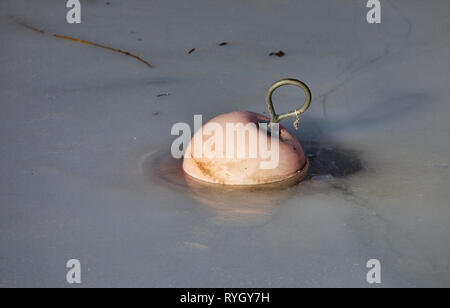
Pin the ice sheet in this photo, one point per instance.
(84, 137)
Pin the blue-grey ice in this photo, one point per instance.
(85, 139)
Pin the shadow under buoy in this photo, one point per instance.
(249, 205)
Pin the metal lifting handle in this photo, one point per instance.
(275, 118)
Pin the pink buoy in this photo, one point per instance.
(246, 148)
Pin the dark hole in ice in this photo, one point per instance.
(331, 160)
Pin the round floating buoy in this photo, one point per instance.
(246, 148)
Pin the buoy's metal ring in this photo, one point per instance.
(275, 118)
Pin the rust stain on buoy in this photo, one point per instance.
(235, 149)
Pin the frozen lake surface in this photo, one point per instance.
(85, 138)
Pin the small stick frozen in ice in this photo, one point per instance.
(74, 39)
